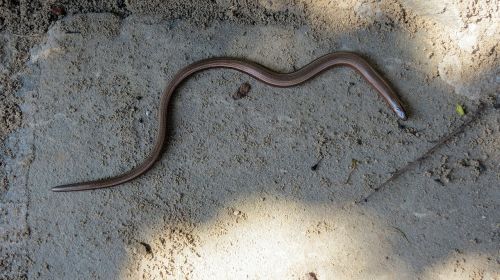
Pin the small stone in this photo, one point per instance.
(242, 91)
(57, 10)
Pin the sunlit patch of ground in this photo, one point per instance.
(264, 238)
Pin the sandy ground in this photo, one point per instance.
(261, 187)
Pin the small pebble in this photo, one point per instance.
(242, 91)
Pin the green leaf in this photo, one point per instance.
(460, 110)
(354, 163)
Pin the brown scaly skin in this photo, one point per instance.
(260, 73)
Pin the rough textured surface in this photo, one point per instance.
(262, 186)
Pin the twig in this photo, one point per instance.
(402, 233)
(354, 165)
(480, 109)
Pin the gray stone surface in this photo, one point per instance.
(234, 195)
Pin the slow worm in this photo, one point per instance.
(258, 72)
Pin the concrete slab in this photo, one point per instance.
(234, 195)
